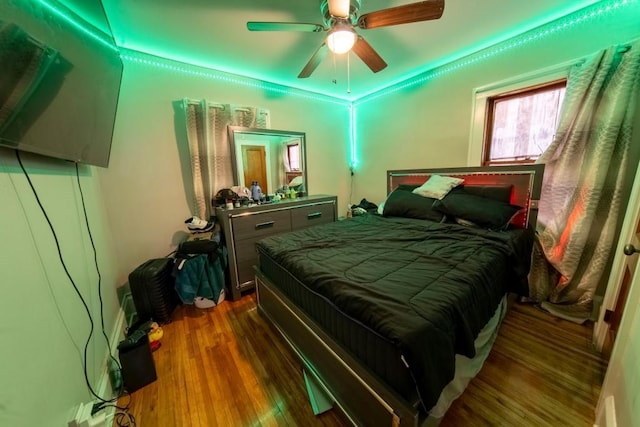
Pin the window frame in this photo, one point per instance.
(475, 154)
(289, 147)
(489, 118)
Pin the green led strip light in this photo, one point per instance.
(596, 11)
(210, 73)
(588, 14)
(78, 23)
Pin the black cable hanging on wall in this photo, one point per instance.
(123, 416)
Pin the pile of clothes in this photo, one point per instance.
(363, 208)
(199, 265)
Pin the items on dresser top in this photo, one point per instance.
(243, 227)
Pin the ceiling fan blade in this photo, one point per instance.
(313, 63)
(368, 55)
(414, 12)
(339, 8)
(284, 26)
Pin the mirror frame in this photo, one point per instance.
(233, 131)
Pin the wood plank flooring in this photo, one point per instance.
(226, 366)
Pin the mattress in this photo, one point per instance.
(403, 296)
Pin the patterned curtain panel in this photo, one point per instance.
(585, 167)
(211, 162)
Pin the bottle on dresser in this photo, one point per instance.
(256, 191)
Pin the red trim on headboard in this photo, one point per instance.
(525, 181)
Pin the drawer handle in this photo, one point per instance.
(265, 224)
(314, 215)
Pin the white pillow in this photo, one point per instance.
(381, 208)
(296, 181)
(438, 186)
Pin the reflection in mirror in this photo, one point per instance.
(273, 158)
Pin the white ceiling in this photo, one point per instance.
(213, 33)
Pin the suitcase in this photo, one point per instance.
(153, 290)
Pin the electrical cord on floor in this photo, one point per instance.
(124, 419)
(122, 416)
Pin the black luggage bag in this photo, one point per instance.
(153, 290)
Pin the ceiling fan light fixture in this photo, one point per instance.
(341, 18)
(341, 40)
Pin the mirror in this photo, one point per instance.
(274, 158)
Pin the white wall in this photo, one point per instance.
(43, 325)
(144, 186)
(428, 125)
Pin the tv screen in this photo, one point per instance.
(59, 82)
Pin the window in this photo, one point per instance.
(521, 124)
(293, 152)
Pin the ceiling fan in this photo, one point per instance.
(341, 20)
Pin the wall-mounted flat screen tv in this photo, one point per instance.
(59, 80)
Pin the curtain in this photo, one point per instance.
(211, 162)
(585, 168)
(284, 155)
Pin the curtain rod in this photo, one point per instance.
(198, 102)
(248, 110)
(222, 106)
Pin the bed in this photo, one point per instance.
(393, 314)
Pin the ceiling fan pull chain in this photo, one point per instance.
(335, 69)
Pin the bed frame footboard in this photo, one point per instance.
(363, 398)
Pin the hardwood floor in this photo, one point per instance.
(541, 371)
(227, 366)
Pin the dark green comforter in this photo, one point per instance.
(427, 287)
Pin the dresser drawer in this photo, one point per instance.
(307, 216)
(261, 224)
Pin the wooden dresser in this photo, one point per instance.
(243, 227)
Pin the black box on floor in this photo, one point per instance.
(136, 359)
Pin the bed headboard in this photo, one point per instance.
(526, 182)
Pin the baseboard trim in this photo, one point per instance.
(104, 384)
